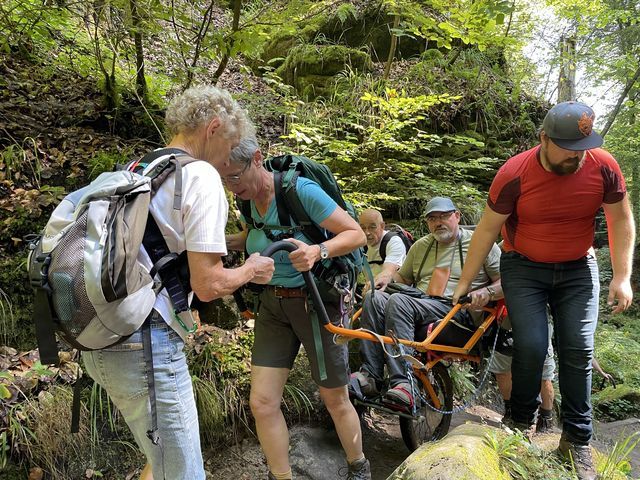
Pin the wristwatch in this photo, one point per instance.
(324, 251)
(492, 292)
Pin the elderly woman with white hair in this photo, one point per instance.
(205, 123)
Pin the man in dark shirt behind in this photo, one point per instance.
(545, 200)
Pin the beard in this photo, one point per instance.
(443, 235)
(568, 166)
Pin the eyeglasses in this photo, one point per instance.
(235, 179)
(441, 217)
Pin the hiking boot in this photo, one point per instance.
(400, 396)
(580, 457)
(359, 470)
(367, 384)
(545, 423)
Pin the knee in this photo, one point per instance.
(336, 401)
(263, 405)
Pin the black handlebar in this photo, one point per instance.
(307, 276)
(465, 299)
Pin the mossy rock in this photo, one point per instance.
(308, 67)
(370, 27)
(462, 454)
(618, 403)
(323, 60)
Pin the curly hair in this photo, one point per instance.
(198, 105)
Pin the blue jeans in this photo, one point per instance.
(122, 372)
(571, 289)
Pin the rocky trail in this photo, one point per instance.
(316, 453)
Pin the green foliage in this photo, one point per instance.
(616, 463)
(105, 162)
(523, 460)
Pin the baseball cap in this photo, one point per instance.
(569, 125)
(439, 204)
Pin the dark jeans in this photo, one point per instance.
(571, 289)
(409, 318)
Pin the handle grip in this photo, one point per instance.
(307, 276)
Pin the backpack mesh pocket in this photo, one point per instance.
(66, 276)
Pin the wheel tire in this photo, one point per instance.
(433, 425)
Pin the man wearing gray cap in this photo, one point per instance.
(545, 201)
(433, 265)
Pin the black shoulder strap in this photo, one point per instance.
(424, 259)
(298, 212)
(281, 203)
(383, 244)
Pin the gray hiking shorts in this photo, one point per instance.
(282, 325)
(501, 363)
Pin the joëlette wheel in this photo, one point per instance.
(433, 425)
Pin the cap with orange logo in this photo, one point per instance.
(570, 126)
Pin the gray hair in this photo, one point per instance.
(198, 105)
(245, 150)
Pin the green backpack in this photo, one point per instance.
(343, 271)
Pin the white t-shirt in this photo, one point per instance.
(197, 227)
(396, 253)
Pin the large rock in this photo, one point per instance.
(311, 68)
(462, 454)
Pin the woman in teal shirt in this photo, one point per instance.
(283, 321)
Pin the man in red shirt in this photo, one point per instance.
(544, 202)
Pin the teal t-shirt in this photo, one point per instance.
(318, 205)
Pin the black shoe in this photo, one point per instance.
(545, 424)
(580, 457)
(359, 470)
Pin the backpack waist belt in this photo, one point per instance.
(286, 292)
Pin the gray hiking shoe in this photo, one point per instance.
(367, 383)
(580, 457)
(359, 470)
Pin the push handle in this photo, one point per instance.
(465, 299)
(307, 276)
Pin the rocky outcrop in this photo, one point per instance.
(462, 454)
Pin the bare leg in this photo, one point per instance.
(547, 394)
(345, 418)
(504, 384)
(267, 386)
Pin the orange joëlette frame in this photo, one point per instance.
(428, 344)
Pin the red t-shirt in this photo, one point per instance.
(552, 217)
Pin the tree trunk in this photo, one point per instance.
(237, 10)
(567, 80)
(392, 48)
(136, 22)
(621, 98)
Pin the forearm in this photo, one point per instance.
(345, 242)
(479, 248)
(621, 243)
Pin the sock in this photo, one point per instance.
(544, 413)
(358, 460)
(282, 476)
